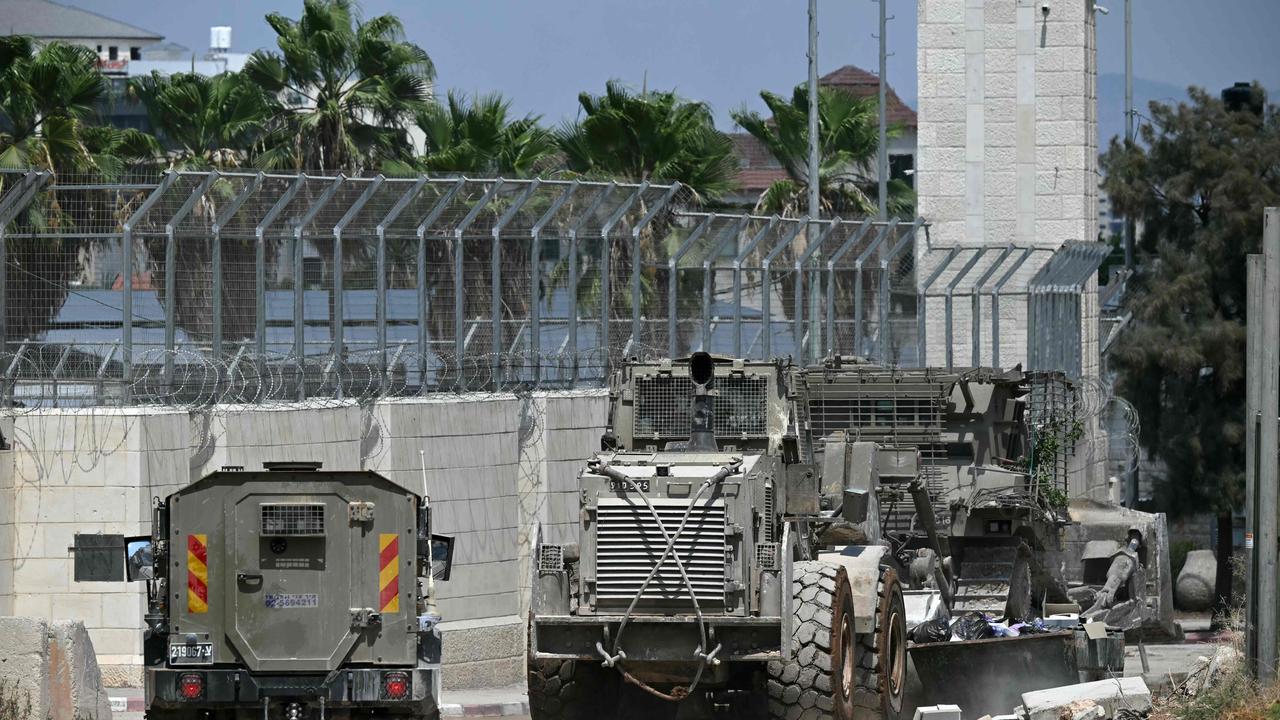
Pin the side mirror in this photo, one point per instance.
(855, 506)
(441, 556)
(139, 559)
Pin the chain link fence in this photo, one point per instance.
(201, 287)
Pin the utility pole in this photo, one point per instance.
(1129, 229)
(815, 209)
(1264, 370)
(883, 170)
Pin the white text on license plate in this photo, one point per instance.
(197, 654)
(624, 486)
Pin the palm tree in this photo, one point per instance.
(847, 145)
(848, 140)
(350, 88)
(479, 137)
(649, 135)
(48, 98)
(646, 136)
(209, 123)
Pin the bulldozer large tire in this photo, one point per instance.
(880, 676)
(571, 690)
(816, 683)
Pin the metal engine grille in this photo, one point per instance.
(629, 543)
(306, 519)
(767, 556)
(663, 402)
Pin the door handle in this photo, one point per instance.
(245, 577)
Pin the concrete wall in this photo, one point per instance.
(1007, 148)
(494, 465)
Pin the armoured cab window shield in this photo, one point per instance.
(99, 558)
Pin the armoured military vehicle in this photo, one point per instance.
(997, 453)
(704, 571)
(290, 592)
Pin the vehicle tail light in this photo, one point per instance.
(395, 685)
(191, 686)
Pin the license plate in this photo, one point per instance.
(624, 486)
(198, 654)
(281, 601)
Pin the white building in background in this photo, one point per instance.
(1007, 148)
(117, 43)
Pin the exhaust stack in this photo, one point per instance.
(702, 432)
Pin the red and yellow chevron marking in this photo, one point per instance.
(389, 572)
(197, 573)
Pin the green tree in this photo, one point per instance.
(647, 136)
(1197, 181)
(477, 137)
(651, 135)
(209, 122)
(481, 138)
(49, 97)
(350, 88)
(848, 140)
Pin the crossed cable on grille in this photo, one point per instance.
(600, 466)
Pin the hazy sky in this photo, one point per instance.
(541, 53)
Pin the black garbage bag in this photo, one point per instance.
(932, 631)
(972, 626)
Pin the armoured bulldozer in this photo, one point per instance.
(998, 457)
(286, 593)
(706, 572)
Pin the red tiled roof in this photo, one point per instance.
(859, 82)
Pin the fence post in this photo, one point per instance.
(708, 271)
(737, 280)
(260, 267)
(220, 221)
(459, 270)
(673, 268)
(171, 272)
(606, 270)
(637, 298)
(380, 282)
(587, 214)
(995, 304)
(922, 305)
(14, 202)
(434, 214)
(495, 271)
(535, 286)
(337, 322)
(766, 286)
(975, 324)
(951, 288)
(801, 260)
(903, 243)
(127, 300)
(860, 324)
(299, 282)
(1269, 469)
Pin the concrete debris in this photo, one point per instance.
(1194, 590)
(48, 670)
(938, 712)
(1210, 671)
(1064, 703)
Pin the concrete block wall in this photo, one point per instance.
(1007, 146)
(494, 465)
